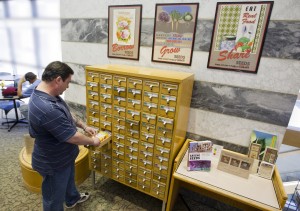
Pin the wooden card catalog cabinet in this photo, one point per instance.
(147, 112)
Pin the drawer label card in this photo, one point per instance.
(167, 108)
(150, 105)
(132, 149)
(134, 81)
(105, 86)
(170, 87)
(119, 136)
(92, 84)
(146, 154)
(120, 127)
(119, 89)
(148, 135)
(165, 120)
(163, 140)
(151, 84)
(92, 93)
(151, 94)
(133, 102)
(105, 77)
(147, 145)
(134, 91)
(105, 96)
(161, 167)
(133, 113)
(105, 106)
(161, 159)
(168, 98)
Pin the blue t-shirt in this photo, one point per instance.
(27, 92)
(51, 124)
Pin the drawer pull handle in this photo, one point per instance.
(143, 186)
(118, 170)
(130, 158)
(118, 120)
(134, 84)
(159, 177)
(131, 124)
(148, 128)
(130, 181)
(158, 185)
(157, 192)
(105, 171)
(105, 164)
(146, 155)
(145, 163)
(166, 110)
(130, 167)
(130, 174)
(131, 150)
(118, 176)
(119, 81)
(144, 172)
(144, 180)
(95, 166)
(161, 160)
(95, 160)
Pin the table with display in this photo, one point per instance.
(13, 78)
(17, 120)
(254, 193)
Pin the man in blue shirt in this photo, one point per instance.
(34, 82)
(56, 139)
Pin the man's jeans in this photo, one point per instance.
(58, 188)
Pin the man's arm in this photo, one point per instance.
(20, 83)
(83, 126)
(80, 139)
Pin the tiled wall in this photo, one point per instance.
(226, 106)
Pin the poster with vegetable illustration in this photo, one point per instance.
(124, 31)
(174, 33)
(238, 35)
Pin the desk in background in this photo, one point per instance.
(17, 120)
(255, 193)
(13, 78)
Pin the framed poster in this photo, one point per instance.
(238, 35)
(174, 33)
(124, 31)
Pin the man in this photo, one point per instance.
(34, 81)
(56, 139)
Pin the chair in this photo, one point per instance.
(7, 106)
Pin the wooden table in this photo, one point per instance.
(254, 193)
(17, 120)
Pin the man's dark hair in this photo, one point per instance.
(56, 69)
(30, 76)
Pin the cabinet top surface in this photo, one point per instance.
(143, 72)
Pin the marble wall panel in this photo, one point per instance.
(282, 40)
(79, 74)
(263, 106)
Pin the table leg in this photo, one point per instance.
(93, 179)
(173, 193)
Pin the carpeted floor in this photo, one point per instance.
(107, 195)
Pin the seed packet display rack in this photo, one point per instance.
(147, 112)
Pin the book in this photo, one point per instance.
(266, 170)
(264, 139)
(199, 156)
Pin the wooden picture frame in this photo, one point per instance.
(174, 33)
(124, 31)
(238, 35)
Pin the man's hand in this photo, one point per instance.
(96, 141)
(91, 131)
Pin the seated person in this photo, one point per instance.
(34, 82)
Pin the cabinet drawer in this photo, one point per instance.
(106, 88)
(158, 193)
(130, 182)
(159, 177)
(165, 123)
(92, 76)
(93, 105)
(106, 148)
(147, 137)
(106, 108)
(118, 154)
(105, 79)
(161, 151)
(118, 171)
(133, 133)
(95, 166)
(92, 95)
(144, 181)
(119, 120)
(148, 128)
(131, 175)
(149, 118)
(105, 117)
(131, 159)
(92, 86)
(105, 158)
(164, 132)
(132, 124)
(135, 94)
(119, 138)
(169, 89)
(135, 83)
(150, 107)
(119, 111)
(146, 155)
(132, 142)
(134, 104)
(151, 97)
(160, 168)
(166, 111)
(164, 142)
(168, 100)
(119, 129)
(118, 163)
(120, 101)
(134, 115)
(144, 172)
(131, 150)
(131, 167)
(105, 125)
(120, 81)
(118, 177)
(146, 147)
(93, 121)
(105, 98)
(145, 163)
(93, 113)
(118, 146)
(158, 186)
(95, 155)
(144, 187)
(120, 91)
(106, 165)
(151, 86)
(161, 160)
(106, 172)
